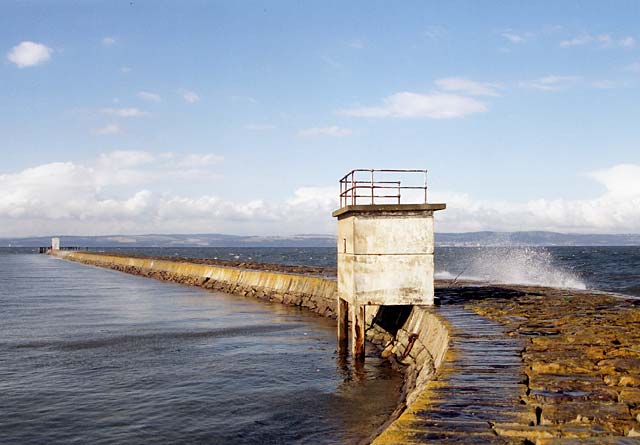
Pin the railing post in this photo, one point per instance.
(425, 186)
(372, 189)
(352, 189)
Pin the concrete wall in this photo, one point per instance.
(422, 356)
(314, 293)
(386, 257)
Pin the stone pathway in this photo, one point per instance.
(479, 385)
(484, 392)
(582, 360)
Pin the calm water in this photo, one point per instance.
(96, 356)
(614, 269)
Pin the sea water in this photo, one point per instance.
(90, 355)
(610, 268)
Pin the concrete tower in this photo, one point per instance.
(55, 243)
(385, 246)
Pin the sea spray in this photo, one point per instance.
(512, 265)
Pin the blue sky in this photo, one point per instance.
(239, 117)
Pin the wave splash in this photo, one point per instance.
(515, 265)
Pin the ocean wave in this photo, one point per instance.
(516, 265)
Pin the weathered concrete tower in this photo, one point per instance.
(385, 246)
(55, 243)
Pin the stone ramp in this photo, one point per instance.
(479, 384)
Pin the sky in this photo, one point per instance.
(131, 117)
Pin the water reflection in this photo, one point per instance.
(91, 355)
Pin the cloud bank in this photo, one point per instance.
(615, 210)
(114, 194)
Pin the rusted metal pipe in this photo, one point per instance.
(412, 341)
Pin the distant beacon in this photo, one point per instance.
(385, 246)
(55, 243)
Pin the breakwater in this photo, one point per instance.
(312, 292)
(418, 339)
(508, 364)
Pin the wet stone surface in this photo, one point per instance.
(530, 366)
(580, 357)
(479, 385)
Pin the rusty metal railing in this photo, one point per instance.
(360, 186)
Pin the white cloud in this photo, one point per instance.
(622, 180)
(513, 37)
(115, 194)
(193, 160)
(259, 127)
(627, 42)
(606, 84)
(616, 210)
(333, 131)
(146, 95)
(576, 41)
(466, 86)
(605, 39)
(109, 129)
(125, 70)
(435, 32)
(330, 61)
(550, 83)
(601, 40)
(108, 41)
(189, 96)
(356, 44)
(125, 112)
(415, 105)
(123, 159)
(321, 197)
(28, 54)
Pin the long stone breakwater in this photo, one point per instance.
(503, 365)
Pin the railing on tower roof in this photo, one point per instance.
(364, 186)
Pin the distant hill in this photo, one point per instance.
(311, 240)
(193, 240)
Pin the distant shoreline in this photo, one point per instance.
(466, 239)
